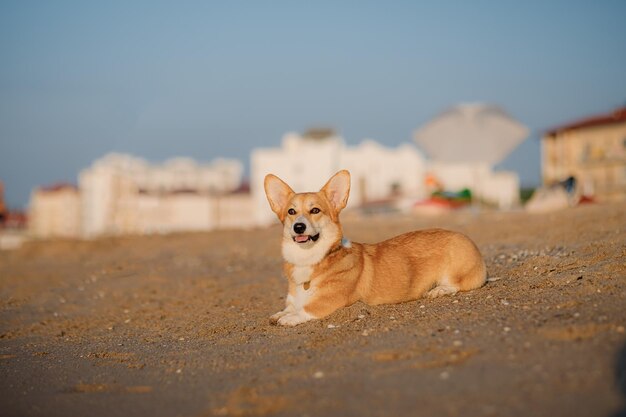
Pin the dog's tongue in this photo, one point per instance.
(302, 238)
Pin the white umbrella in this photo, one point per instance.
(471, 133)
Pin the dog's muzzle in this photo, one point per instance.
(305, 238)
(299, 228)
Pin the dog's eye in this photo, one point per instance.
(291, 212)
(315, 210)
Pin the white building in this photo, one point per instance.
(307, 161)
(124, 194)
(55, 212)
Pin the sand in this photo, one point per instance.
(178, 326)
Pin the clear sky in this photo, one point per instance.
(218, 78)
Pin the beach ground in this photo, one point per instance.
(178, 325)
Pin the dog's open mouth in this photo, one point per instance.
(305, 238)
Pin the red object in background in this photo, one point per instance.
(15, 220)
(586, 200)
(58, 187)
(10, 219)
(3, 208)
(441, 202)
(448, 202)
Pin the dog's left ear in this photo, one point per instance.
(337, 190)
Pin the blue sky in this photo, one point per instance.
(208, 79)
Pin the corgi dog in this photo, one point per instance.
(325, 272)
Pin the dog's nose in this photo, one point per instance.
(299, 228)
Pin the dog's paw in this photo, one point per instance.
(275, 317)
(442, 290)
(293, 319)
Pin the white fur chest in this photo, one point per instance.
(300, 297)
(301, 274)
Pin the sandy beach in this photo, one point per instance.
(178, 325)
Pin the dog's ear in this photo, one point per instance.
(278, 194)
(337, 190)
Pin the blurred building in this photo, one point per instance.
(592, 150)
(465, 143)
(55, 211)
(306, 161)
(123, 194)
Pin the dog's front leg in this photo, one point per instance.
(290, 306)
(295, 313)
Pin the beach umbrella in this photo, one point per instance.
(471, 133)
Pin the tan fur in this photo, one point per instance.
(325, 276)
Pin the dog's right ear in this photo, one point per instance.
(278, 194)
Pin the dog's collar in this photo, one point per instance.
(343, 243)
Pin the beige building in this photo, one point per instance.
(55, 212)
(122, 194)
(235, 210)
(182, 211)
(592, 150)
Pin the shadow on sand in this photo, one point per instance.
(620, 376)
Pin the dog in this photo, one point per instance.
(325, 272)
